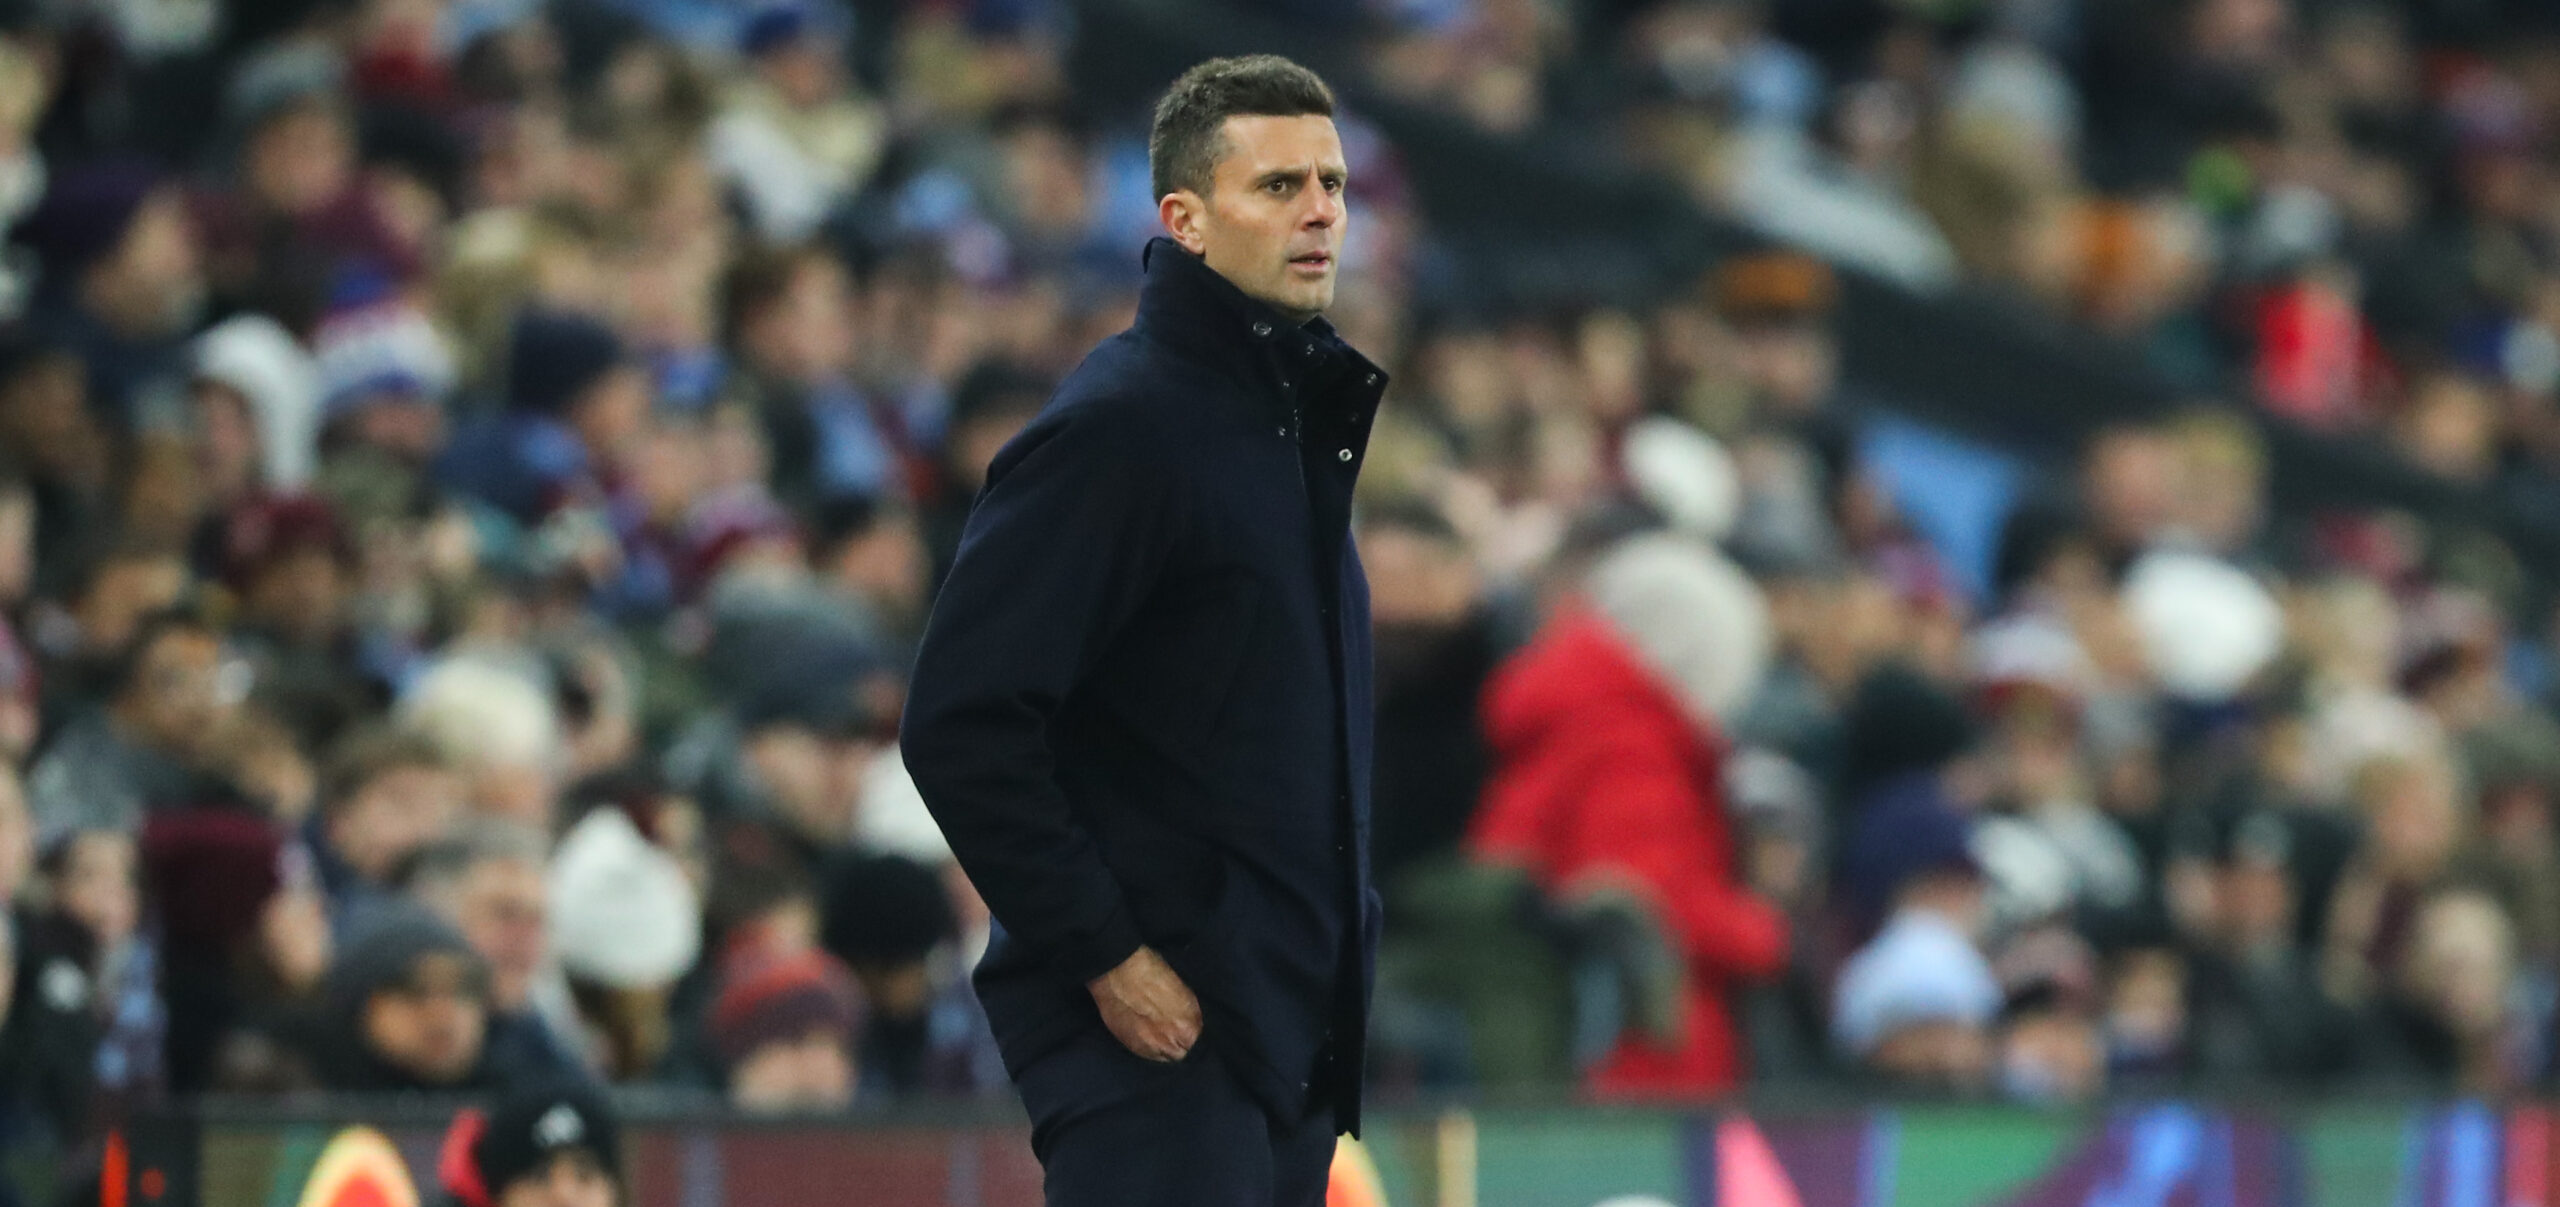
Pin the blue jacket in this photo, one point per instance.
(1141, 712)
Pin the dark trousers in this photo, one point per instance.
(1112, 1130)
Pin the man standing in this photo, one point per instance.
(1141, 710)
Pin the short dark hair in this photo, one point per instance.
(841, 521)
(177, 620)
(1190, 127)
(996, 387)
(758, 281)
(369, 754)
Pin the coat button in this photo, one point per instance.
(1344, 455)
(1261, 329)
(1373, 379)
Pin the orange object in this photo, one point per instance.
(360, 1168)
(1354, 1182)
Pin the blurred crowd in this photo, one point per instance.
(2343, 208)
(2172, 791)
(472, 474)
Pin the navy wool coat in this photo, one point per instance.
(1141, 712)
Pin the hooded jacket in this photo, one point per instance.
(1608, 765)
(380, 954)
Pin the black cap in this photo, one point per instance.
(531, 1126)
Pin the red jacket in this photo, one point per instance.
(1598, 769)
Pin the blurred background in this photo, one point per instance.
(1925, 552)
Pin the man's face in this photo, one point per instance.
(1274, 217)
(500, 908)
(1416, 580)
(812, 1073)
(808, 334)
(394, 814)
(2132, 483)
(176, 699)
(300, 160)
(1792, 367)
(432, 1025)
(44, 413)
(302, 596)
(226, 441)
(614, 412)
(97, 888)
(814, 779)
(158, 267)
(804, 72)
(572, 1179)
(886, 566)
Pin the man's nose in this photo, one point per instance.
(1325, 210)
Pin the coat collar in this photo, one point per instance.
(1189, 305)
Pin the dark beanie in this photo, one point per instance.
(884, 910)
(383, 948)
(781, 999)
(554, 356)
(774, 27)
(998, 387)
(84, 216)
(518, 1137)
(1899, 721)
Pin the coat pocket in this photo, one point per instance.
(1205, 956)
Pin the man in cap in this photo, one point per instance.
(551, 1145)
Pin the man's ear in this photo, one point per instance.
(1182, 212)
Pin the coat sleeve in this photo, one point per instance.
(1067, 540)
(1640, 813)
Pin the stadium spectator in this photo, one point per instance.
(486, 881)
(386, 794)
(124, 275)
(407, 1009)
(246, 942)
(785, 1029)
(1916, 1004)
(891, 921)
(554, 1144)
(1609, 763)
(145, 750)
(627, 924)
(1437, 646)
